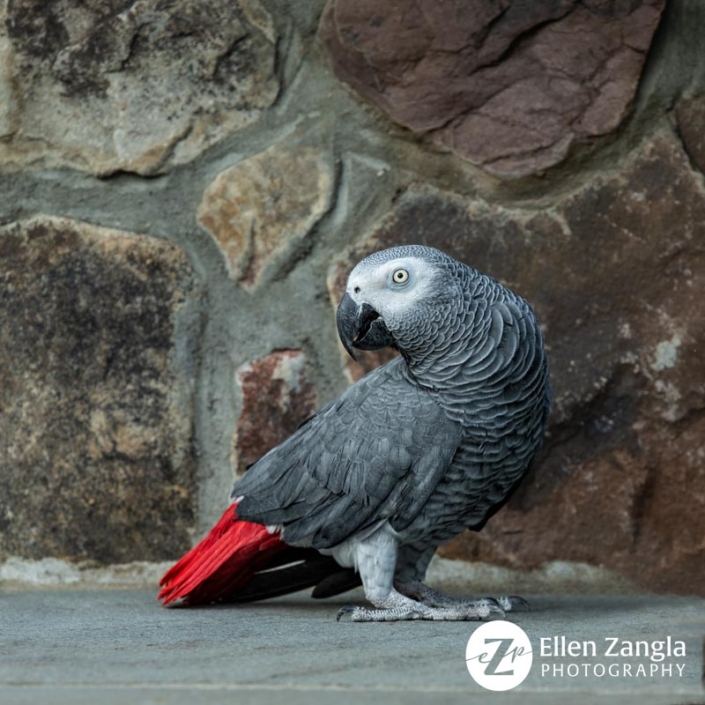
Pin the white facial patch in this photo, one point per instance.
(373, 283)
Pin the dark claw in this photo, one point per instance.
(494, 607)
(519, 602)
(348, 609)
(492, 602)
(513, 602)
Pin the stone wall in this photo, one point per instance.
(184, 185)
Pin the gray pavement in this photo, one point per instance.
(120, 646)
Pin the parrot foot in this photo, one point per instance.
(397, 607)
(437, 598)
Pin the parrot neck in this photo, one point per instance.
(460, 347)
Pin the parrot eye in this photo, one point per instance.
(400, 276)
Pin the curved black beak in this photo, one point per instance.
(361, 327)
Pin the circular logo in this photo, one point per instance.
(499, 655)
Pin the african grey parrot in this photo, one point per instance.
(426, 446)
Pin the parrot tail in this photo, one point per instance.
(242, 562)
(223, 562)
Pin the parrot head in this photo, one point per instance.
(391, 292)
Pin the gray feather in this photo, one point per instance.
(374, 454)
(434, 442)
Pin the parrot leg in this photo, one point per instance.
(376, 558)
(409, 581)
(436, 598)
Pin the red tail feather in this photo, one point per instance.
(223, 562)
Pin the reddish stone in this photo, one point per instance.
(276, 398)
(508, 86)
(616, 272)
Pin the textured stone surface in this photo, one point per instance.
(133, 85)
(97, 458)
(260, 210)
(616, 272)
(690, 117)
(507, 85)
(276, 398)
(145, 85)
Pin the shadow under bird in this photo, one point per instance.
(422, 448)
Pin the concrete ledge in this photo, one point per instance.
(76, 646)
(453, 575)
(181, 694)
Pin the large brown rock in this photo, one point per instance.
(277, 397)
(616, 272)
(263, 208)
(97, 457)
(507, 85)
(131, 85)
